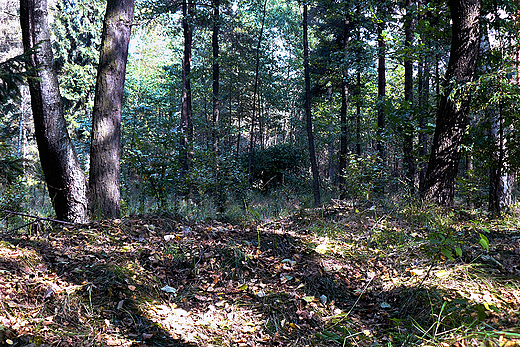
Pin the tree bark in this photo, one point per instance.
(501, 181)
(343, 139)
(186, 127)
(105, 147)
(216, 101)
(409, 159)
(424, 96)
(308, 114)
(424, 93)
(452, 117)
(357, 94)
(65, 180)
(381, 88)
(251, 162)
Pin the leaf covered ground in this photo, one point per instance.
(337, 276)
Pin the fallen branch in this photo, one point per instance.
(37, 217)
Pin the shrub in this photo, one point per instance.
(275, 166)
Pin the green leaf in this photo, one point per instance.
(308, 298)
(481, 312)
(447, 253)
(243, 287)
(484, 242)
(458, 250)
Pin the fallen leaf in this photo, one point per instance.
(384, 304)
(417, 272)
(442, 274)
(147, 336)
(169, 289)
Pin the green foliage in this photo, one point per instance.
(484, 242)
(10, 165)
(13, 73)
(77, 30)
(11, 174)
(470, 188)
(363, 175)
(147, 170)
(438, 225)
(444, 242)
(276, 166)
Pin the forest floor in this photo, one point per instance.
(337, 276)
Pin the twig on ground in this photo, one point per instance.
(36, 219)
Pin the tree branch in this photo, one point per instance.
(36, 217)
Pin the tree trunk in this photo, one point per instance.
(239, 126)
(424, 96)
(500, 179)
(251, 162)
(186, 128)
(424, 93)
(452, 116)
(308, 114)
(381, 88)
(343, 139)
(21, 125)
(65, 180)
(105, 147)
(216, 101)
(357, 93)
(409, 160)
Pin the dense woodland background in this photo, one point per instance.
(233, 131)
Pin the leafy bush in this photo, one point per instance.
(11, 172)
(363, 175)
(275, 166)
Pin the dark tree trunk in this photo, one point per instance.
(409, 159)
(251, 163)
(343, 139)
(424, 96)
(216, 100)
(105, 147)
(381, 89)
(308, 114)
(65, 180)
(230, 116)
(330, 146)
(239, 126)
(501, 181)
(452, 116)
(186, 109)
(357, 93)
